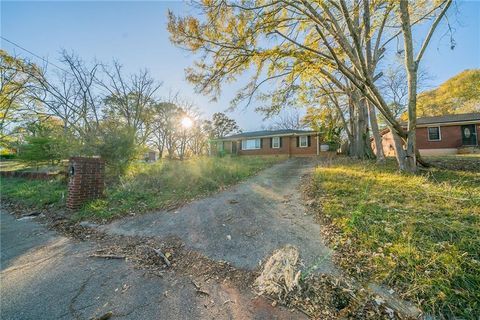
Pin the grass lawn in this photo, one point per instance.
(146, 187)
(419, 234)
(13, 165)
(34, 194)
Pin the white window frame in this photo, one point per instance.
(300, 144)
(276, 142)
(256, 145)
(439, 134)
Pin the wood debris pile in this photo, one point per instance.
(320, 296)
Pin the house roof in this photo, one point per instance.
(267, 133)
(449, 118)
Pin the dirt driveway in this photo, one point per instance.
(244, 224)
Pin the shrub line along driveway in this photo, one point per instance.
(244, 224)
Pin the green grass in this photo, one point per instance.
(14, 165)
(146, 187)
(419, 234)
(34, 194)
(168, 184)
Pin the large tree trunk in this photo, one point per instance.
(400, 153)
(376, 134)
(412, 120)
(411, 66)
(353, 127)
(362, 147)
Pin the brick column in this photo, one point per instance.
(86, 180)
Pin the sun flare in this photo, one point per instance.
(187, 122)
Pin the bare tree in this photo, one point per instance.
(221, 125)
(131, 98)
(70, 95)
(395, 89)
(198, 142)
(288, 120)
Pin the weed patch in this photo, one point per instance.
(419, 234)
(169, 184)
(145, 187)
(34, 193)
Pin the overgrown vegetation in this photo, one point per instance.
(419, 234)
(34, 194)
(160, 185)
(168, 184)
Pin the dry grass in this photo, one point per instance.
(419, 234)
(169, 184)
(280, 274)
(161, 185)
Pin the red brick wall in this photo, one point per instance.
(311, 150)
(86, 182)
(266, 149)
(387, 143)
(451, 137)
(289, 146)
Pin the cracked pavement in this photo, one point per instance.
(244, 224)
(47, 276)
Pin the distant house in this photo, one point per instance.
(270, 142)
(442, 135)
(151, 156)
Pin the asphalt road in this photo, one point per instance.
(46, 276)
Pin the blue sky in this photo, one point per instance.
(134, 33)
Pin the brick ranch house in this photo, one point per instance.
(442, 135)
(269, 142)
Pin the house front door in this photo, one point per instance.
(469, 135)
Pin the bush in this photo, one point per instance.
(333, 145)
(118, 147)
(7, 156)
(44, 148)
(115, 144)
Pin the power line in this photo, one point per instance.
(34, 54)
(46, 61)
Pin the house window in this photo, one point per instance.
(303, 141)
(251, 144)
(434, 134)
(276, 142)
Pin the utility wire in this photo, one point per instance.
(33, 54)
(46, 61)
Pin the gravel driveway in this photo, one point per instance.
(244, 224)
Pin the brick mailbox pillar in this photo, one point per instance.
(86, 180)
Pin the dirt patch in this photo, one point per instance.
(465, 163)
(318, 296)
